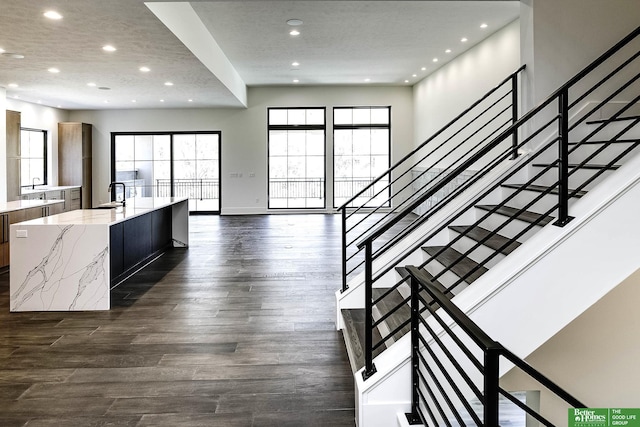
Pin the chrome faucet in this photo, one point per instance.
(33, 182)
(113, 186)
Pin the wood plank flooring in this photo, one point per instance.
(238, 330)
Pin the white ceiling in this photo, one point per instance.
(341, 43)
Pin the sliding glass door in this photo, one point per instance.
(178, 164)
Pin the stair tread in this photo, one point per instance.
(540, 189)
(526, 216)
(494, 242)
(354, 330)
(399, 316)
(461, 268)
(585, 166)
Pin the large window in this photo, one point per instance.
(170, 164)
(296, 158)
(361, 145)
(33, 157)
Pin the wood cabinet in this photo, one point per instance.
(4, 240)
(75, 157)
(20, 215)
(13, 155)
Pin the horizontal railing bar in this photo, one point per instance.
(526, 408)
(487, 191)
(604, 79)
(452, 408)
(467, 352)
(432, 395)
(453, 385)
(541, 378)
(448, 125)
(604, 102)
(452, 359)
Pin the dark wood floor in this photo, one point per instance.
(238, 330)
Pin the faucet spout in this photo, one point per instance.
(33, 182)
(113, 186)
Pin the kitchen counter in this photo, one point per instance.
(71, 261)
(17, 205)
(44, 189)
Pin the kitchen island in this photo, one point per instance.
(71, 261)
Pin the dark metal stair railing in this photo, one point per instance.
(561, 187)
(441, 146)
(429, 386)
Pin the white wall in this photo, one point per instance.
(244, 134)
(41, 117)
(562, 37)
(595, 356)
(444, 94)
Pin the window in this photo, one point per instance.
(361, 146)
(178, 164)
(296, 158)
(33, 157)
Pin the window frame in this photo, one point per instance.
(356, 126)
(300, 127)
(45, 158)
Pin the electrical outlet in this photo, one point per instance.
(22, 234)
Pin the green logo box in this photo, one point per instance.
(604, 417)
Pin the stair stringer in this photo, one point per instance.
(548, 281)
(353, 297)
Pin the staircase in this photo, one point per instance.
(517, 183)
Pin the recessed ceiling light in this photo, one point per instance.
(406, 81)
(294, 32)
(106, 101)
(12, 55)
(53, 70)
(1, 50)
(190, 100)
(133, 100)
(294, 22)
(367, 80)
(108, 48)
(168, 84)
(483, 26)
(464, 40)
(162, 100)
(59, 106)
(52, 14)
(91, 84)
(435, 59)
(145, 69)
(424, 68)
(13, 84)
(447, 51)
(296, 81)
(414, 75)
(295, 64)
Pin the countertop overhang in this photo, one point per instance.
(133, 207)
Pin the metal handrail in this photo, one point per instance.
(491, 350)
(440, 152)
(561, 188)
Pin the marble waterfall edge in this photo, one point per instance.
(66, 268)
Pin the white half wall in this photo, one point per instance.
(444, 94)
(244, 135)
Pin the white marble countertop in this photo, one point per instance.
(133, 207)
(47, 188)
(17, 205)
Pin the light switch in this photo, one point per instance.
(21, 234)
